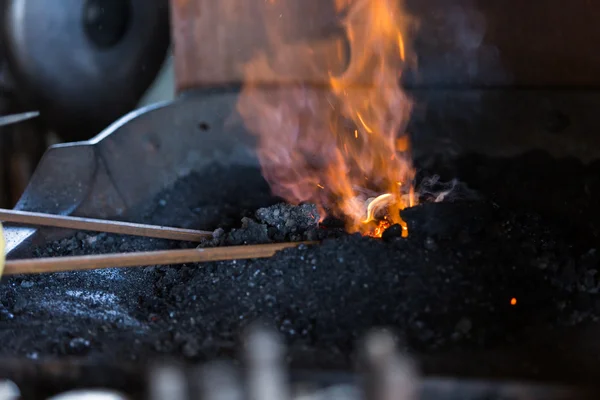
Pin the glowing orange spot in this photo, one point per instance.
(513, 301)
(402, 144)
(381, 227)
(320, 186)
(356, 133)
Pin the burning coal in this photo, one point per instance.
(342, 146)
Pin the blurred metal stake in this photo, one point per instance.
(265, 365)
(168, 382)
(390, 376)
(219, 381)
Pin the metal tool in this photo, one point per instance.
(16, 118)
(133, 160)
(83, 63)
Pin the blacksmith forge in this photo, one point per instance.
(492, 292)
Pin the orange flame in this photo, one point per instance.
(342, 147)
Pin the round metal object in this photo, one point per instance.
(106, 21)
(84, 63)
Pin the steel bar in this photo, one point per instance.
(164, 257)
(99, 225)
(15, 118)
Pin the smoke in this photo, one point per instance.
(453, 45)
(458, 57)
(432, 189)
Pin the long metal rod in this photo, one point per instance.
(164, 257)
(99, 225)
(15, 118)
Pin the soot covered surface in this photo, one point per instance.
(529, 234)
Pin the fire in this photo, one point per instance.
(342, 147)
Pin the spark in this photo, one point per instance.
(401, 46)
(362, 121)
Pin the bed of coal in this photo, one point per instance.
(500, 278)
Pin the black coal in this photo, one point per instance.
(530, 234)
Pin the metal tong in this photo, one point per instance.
(15, 118)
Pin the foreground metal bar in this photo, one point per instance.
(384, 373)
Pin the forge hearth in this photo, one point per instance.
(471, 123)
(501, 270)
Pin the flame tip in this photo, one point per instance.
(305, 134)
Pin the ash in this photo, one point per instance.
(446, 288)
(288, 221)
(281, 222)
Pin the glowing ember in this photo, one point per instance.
(342, 147)
(379, 229)
(513, 301)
